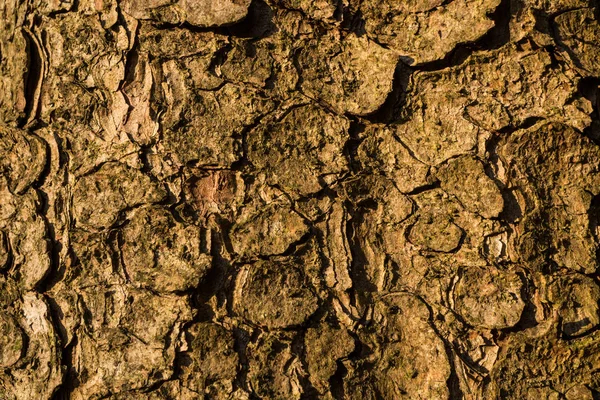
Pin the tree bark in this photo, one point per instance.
(299, 199)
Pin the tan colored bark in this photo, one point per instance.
(298, 199)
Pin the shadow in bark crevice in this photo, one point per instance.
(589, 88)
(391, 108)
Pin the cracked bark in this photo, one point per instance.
(298, 199)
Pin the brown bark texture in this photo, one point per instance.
(299, 199)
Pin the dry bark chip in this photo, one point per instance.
(382, 151)
(22, 158)
(213, 361)
(268, 231)
(216, 192)
(489, 298)
(274, 294)
(411, 361)
(560, 184)
(447, 109)
(577, 298)
(100, 196)
(202, 13)
(579, 32)
(127, 341)
(163, 254)
(579, 392)
(425, 31)
(465, 178)
(28, 238)
(11, 341)
(179, 43)
(302, 152)
(26, 243)
(557, 362)
(353, 74)
(439, 130)
(14, 61)
(275, 371)
(323, 10)
(204, 127)
(37, 372)
(556, 6)
(325, 345)
(436, 232)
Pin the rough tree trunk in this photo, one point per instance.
(299, 199)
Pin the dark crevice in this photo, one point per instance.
(526, 124)
(64, 390)
(131, 59)
(240, 345)
(258, 23)
(116, 242)
(55, 273)
(299, 245)
(352, 21)
(336, 381)
(528, 317)
(421, 189)
(70, 379)
(158, 384)
(392, 106)
(338, 14)
(217, 276)
(499, 35)
(244, 163)
(511, 213)
(57, 13)
(589, 88)
(594, 223)
(576, 326)
(218, 59)
(9, 260)
(32, 77)
(362, 286)
(493, 166)
(351, 146)
(594, 217)
(41, 179)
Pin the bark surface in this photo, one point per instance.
(299, 199)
